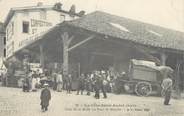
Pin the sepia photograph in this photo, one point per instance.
(91, 57)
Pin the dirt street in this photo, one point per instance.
(13, 102)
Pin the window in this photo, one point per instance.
(121, 27)
(155, 33)
(4, 52)
(25, 27)
(4, 40)
(62, 18)
(43, 15)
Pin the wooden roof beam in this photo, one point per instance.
(81, 42)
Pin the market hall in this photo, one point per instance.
(101, 41)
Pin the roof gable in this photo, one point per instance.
(28, 8)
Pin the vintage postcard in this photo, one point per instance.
(91, 57)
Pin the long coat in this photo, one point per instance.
(98, 83)
(45, 97)
(81, 83)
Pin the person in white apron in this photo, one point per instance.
(34, 82)
(59, 82)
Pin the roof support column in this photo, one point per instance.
(42, 60)
(178, 79)
(66, 42)
(163, 58)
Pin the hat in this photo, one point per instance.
(46, 85)
(102, 71)
(123, 73)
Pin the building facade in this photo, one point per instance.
(25, 24)
(2, 41)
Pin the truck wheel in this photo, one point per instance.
(143, 88)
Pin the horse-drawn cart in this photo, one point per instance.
(144, 78)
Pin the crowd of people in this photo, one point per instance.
(95, 81)
(32, 81)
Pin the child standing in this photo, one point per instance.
(45, 97)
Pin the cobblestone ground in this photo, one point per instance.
(13, 102)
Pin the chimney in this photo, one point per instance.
(81, 13)
(58, 6)
(72, 10)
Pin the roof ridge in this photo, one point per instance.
(131, 19)
(30, 7)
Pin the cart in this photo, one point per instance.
(144, 78)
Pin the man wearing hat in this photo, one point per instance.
(167, 88)
(81, 84)
(69, 83)
(45, 97)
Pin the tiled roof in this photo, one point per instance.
(131, 30)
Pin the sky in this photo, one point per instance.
(165, 13)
